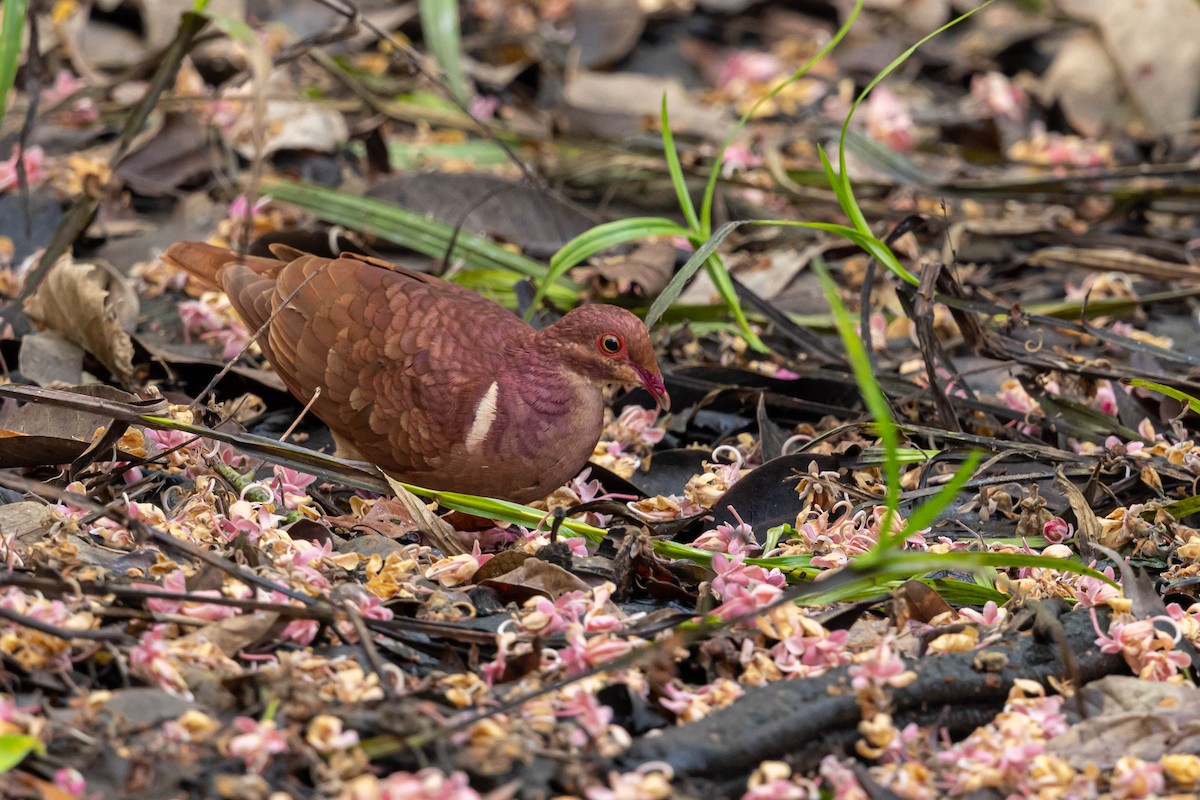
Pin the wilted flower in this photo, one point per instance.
(595, 720)
(176, 582)
(999, 95)
(1057, 530)
(428, 784)
(726, 538)
(743, 588)
(453, 570)
(1132, 777)
(1091, 591)
(888, 119)
(256, 742)
(650, 781)
(880, 666)
(211, 319)
(690, 705)
(773, 780)
(151, 659)
(70, 781)
(325, 734)
(1148, 650)
(991, 614)
(34, 170)
(483, 107)
(742, 67)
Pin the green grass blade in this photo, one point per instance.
(904, 564)
(355, 474)
(600, 238)
(863, 237)
(440, 30)
(12, 27)
(706, 251)
(852, 209)
(428, 236)
(710, 189)
(896, 62)
(1183, 508)
(840, 181)
(505, 511)
(676, 171)
(843, 190)
(965, 593)
(872, 394)
(1170, 391)
(924, 515)
(673, 289)
(14, 747)
(610, 234)
(498, 285)
(719, 275)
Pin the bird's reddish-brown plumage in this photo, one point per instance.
(428, 380)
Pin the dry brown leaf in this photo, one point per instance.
(1131, 717)
(289, 124)
(232, 635)
(1136, 71)
(87, 304)
(619, 104)
(1089, 525)
(50, 359)
(537, 577)
(1156, 46)
(1085, 82)
(437, 531)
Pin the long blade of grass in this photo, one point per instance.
(723, 281)
(675, 287)
(907, 563)
(872, 394)
(503, 510)
(841, 182)
(599, 238)
(675, 169)
(1182, 508)
(1170, 391)
(708, 248)
(14, 747)
(710, 189)
(12, 27)
(926, 513)
(356, 475)
(966, 593)
(428, 236)
(865, 239)
(865, 582)
(440, 29)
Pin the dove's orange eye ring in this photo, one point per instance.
(610, 344)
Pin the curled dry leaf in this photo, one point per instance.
(289, 124)
(617, 105)
(92, 307)
(1090, 527)
(232, 635)
(1132, 70)
(1128, 716)
(437, 531)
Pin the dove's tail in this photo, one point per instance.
(206, 261)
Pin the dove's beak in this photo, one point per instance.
(653, 383)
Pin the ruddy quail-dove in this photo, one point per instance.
(433, 383)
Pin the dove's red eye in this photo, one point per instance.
(610, 344)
